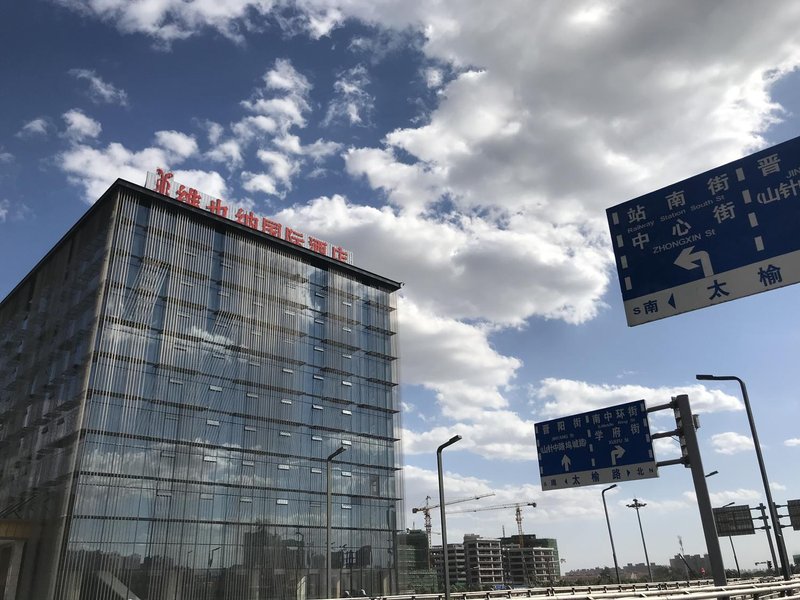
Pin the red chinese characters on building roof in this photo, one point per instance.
(162, 182)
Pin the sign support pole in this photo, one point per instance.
(689, 435)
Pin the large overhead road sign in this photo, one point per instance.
(794, 513)
(607, 445)
(727, 233)
(734, 520)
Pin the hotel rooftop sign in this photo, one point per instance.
(162, 182)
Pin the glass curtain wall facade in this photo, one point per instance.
(226, 369)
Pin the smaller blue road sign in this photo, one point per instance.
(607, 445)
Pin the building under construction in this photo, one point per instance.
(482, 563)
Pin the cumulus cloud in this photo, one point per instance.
(4, 204)
(80, 126)
(95, 169)
(739, 495)
(494, 434)
(100, 91)
(171, 20)
(277, 108)
(455, 360)
(283, 97)
(33, 128)
(558, 397)
(792, 442)
(457, 266)
(181, 146)
(6, 157)
(731, 442)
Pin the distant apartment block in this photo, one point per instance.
(482, 563)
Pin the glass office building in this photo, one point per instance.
(172, 385)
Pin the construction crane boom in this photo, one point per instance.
(517, 506)
(426, 512)
(494, 507)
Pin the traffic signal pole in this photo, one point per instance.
(687, 427)
(690, 450)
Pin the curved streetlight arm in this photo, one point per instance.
(776, 523)
(445, 557)
(449, 442)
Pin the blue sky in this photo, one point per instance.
(469, 152)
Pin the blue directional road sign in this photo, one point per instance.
(724, 234)
(602, 446)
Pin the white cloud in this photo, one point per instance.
(350, 102)
(101, 91)
(287, 109)
(80, 126)
(209, 182)
(777, 487)
(792, 442)
(493, 434)
(180, 145)
(731, 442)
(285, 78)
(34, 127)
(279, 106)
(6, 157)
(433, 77)
(740, 496)
(259, 182)
(559, 397)
(281, 167)
(215, 131)
(13, 211)
(455, 360)
(169, 20)
(95, 169)
(666, 448)
(228, 152)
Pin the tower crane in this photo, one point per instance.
(517, 506)
(426, 510)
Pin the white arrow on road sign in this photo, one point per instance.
(688, 260)
(616, 453)
(565, 462)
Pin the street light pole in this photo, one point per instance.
(610, 536)
(445, 557)
(773, 512)
(329, 460)
(637, 505)
(733, 549)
